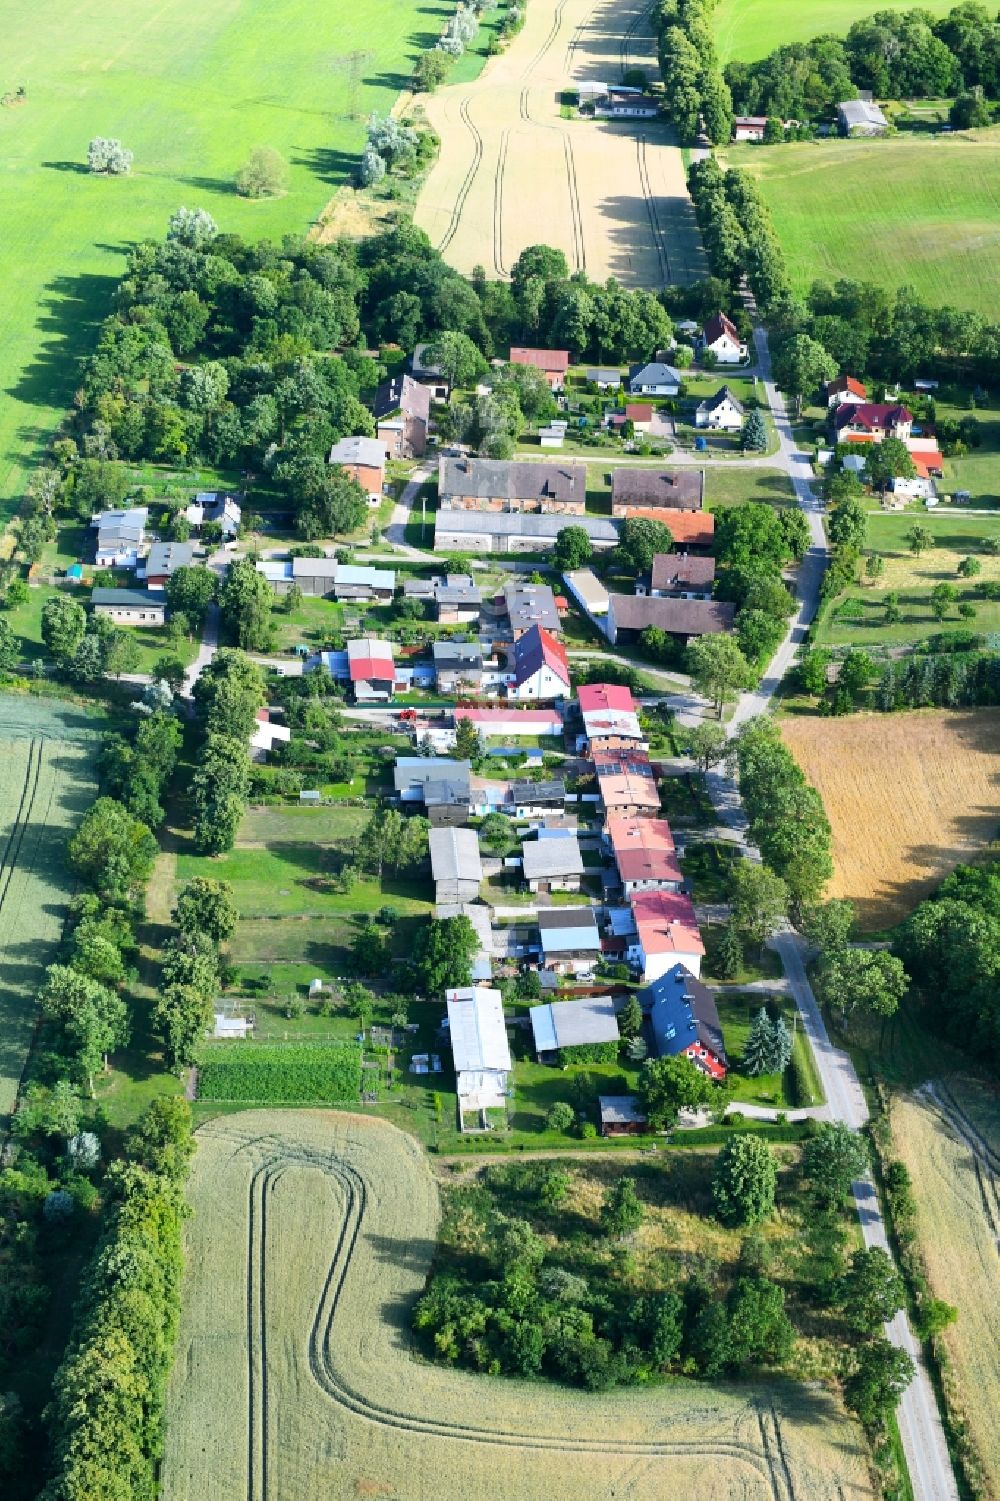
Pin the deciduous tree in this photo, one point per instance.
(745, 1179)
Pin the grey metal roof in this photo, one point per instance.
(455, 655)
(553, 791)
(511, 479)
(518, 524)
(458, 594)
(576, 1023)
(605, 374)
(478, 1034)
(455, 855)
(531, 604)
(422, 771)
(357, 450)
(653, 374)
(315, 568)
(133, 598)
(542, 858)
(165, 557)
(855, 112)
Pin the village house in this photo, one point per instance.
(428, 373)
(639, 413)
(130, 606)
(631, 614)
(457, 600)
(217, 508)
(721, 412)
(162, 561)
(721, 338)
(372, 670)
(402, 410)
(511, 723)
(644, 853)
(541, 667)
(458, 666)
(622, 102)
(680, 573)
(666, 933)
(529, 605)
(552, 861)
(469, 484)
(490, 531)
(621, 1115)
(605, 378)
(479, 1048)
(536, 799)
(749, 127)
(655, 378)
(553, 363)
(441, 786)
(845, 389)
(266, 735)
(872, 420)
(654, 489)
(861, 117)
(626, 785)
(570, 942)
(121, 537)
(363, 459)
(685, 1021)
(610, 720)
(456, 868)
(573, 1024)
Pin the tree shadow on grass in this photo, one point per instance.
(329, 165)
(78, 169)
(73, 308)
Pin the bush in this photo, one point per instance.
(264, 175)
(560, 1117)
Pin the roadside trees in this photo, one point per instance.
(718, 669)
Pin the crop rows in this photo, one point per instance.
(289, 1074)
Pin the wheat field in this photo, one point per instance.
(310, 1238)
(949, 1137)
(909, 796)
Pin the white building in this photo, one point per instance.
(720, 337)
(479, 1047)
(721, 412)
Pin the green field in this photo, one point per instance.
(922, 210)
(191, 90)
(46, 751)
(748, 29)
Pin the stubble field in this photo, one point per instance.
(46, 784)
(949, 1137)
(611, 195)
(909, 796)
(310, 1239)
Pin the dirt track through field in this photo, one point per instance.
(511, 172)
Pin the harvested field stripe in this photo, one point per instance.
(470, 177)
(10, 856)
(553, 33)
(498, 207)
(655, 229)
(986, 1162)
(625, 50)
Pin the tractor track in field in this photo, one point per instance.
(655, 227)
(546, 45)
(498, 207)
(467, 181)
(572, 187)
(628, 37)
(985, 1159)
(354, 1190)
(18, 829)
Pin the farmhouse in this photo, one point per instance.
(266, 735)
(873, 420)
(541, 667)
(479, 1047)
(553, 363)
(609, 716)
(121, 537)
(621, 1115)
(488, 531)
(721, 337)
(456, 868)
(654, 379)
(749, 127)
(721, 411)
(217, 508)
(553, 861)
(624, 103)
(536, 799)
(402, 417)
(630, 614)
(675, 490)
(570, 941)
(644, 853)
(164, 559)
(129, 606)
(845, 389)
(861, 117)
(681, 573)
(371, 669)
(529, 605)
(588, 591)
(512, 723)
(458, 666)
(468, 484)
(685, 1020)
(573, 1024)
(457, 600)
(666, 934)
(428, 373)
(364, 460)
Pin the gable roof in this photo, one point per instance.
(541, 858)
(133, 599)
(401, 393)
(591, 696)
(683, 1011)
(573, 1024)
(121, 526)
(655, 373)
(666, 923)
(429, 771)
(876, 416)
(553, 791)
(683, 489)
(370, 660)
(552, 361)
(678, 617)
(673, 568)
(511, 479)
(455, 855)
(712, 403)
(688, 528)
(358, 450)
(531, 604)
(628, 784)
(856, 112)
(166, 557)
(477, 1031)
(357, 575)
(718, 325)
(523, 524)
(564, 929)
(535, 649)
(643, 848)
(846, 383)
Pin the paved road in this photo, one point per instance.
(395, 532)
(206, 651)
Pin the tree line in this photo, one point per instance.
(697, 95)
(737, 231)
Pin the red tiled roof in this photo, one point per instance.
(718, 325)
(846, 383)
(593, 696)
(553, 360)
(666, 923)
(697, 528)
(643, 848)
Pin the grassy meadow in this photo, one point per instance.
(748, 29)
(191, 90)
(921, 210)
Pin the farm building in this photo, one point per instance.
(428, 373)
(654, 379)
(162, 560)
(644, 853)
(371, 669)
(479, 1047)
(720, 337)
(130, 606)
(217, 508)
(588, 591)
(512, 532)
(627, 785)
(529, 605)
(689, 529)
(355, 581)
(536, 799)
(873, 420)
(121, 537)
(621, 1115)
(573, 1024)
(845, 389)
(267, 735)
(674, 489)
(570, 941)
(553, 363)
(551, 488)
(685, 1020)
(364, 460)
(456, 868)
(552, 861)
(479, 917)
(402, 417)
(458, 666)
(861, 117)
(721, 412)
(512, 723)
(630, 614)
(541, 667)
(609, 715)
(622, 103)
(666, 934)
(681, 573)
(457, 600)
(443, 787)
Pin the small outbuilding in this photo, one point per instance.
(559, 1025)
(621, 1115)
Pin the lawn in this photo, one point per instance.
(929, 207)
(191, 90)
(26, 622)
(773, 1091)
(748, 29)
(729, 485)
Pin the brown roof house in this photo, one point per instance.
(402, 417)
(630, 614)
(679, 573)
(468, 484)
(553, 363)
(364, 460)
(678, 490)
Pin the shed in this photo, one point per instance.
(574, 1024)
(621, 1115)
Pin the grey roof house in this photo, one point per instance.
(573, 1024)
(654, 379)
(456, 867)
(528, 605)
(457, 664)
(553, 860)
